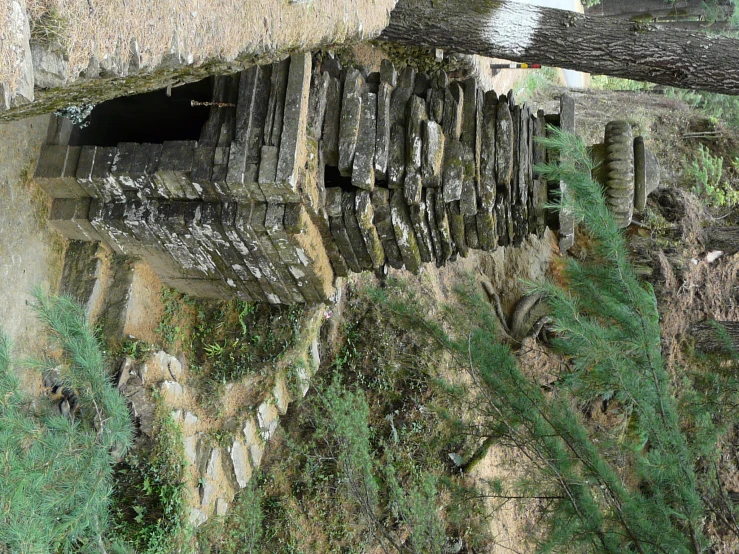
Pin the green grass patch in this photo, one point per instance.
(149, 508)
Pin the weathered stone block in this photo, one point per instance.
(453, 171)
(396, 160)
(136, 218)
(295, 120)
(85, 164)
(413, 187)
(210, 242)
(522, 157)
(106, 218)
(165, 223)
(320, 83)
(57, 169)
(470, 232)
(442, 223)
(414, 135)
(468, 196)
(456, 226)
(423, 233)
(402, 93)
(276, 104)
(405, 236)
(540, 131)
(138, 171)
(121, 166)
(348, 201)
(488, 182)
(486, 234)
(268, 174)
(152, 166)
(453, 112)
(69, 216)
(250, 264)
(382, 133)
(306, 238)
(338, 232)
(251, 109)
(363, 172)
(365, 215)
(503, 146)
(244, 239)
(202, 171)
(435, 105)
(502, 215)
(430, 201)
(351, 110)
(433, 154)
(250, 223)
(274, 225)
(469, 113)
(332, 123)
(388, 73)
(109, 188)
(384, 225)
(421, 84)
(175, 166)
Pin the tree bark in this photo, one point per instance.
(654, 8)
(707, 338)
(725, 239)
(600, 45)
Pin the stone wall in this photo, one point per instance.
(306, 170)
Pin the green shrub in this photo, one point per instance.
(55, 471)
(628, 487)
(149, 507)
(705, 175)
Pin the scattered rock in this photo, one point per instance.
(240, 460)
(268, 418)
(50, 69)
(172, 391)
(197, 517)
(281, 394)
(221, 507)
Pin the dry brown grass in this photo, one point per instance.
(198, 29)
(11, 42)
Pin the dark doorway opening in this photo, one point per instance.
(333, 178)
(151, 117)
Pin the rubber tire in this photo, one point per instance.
(619, 171)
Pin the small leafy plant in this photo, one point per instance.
(706, 174)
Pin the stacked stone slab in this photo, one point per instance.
(453, 168)
(427, 169)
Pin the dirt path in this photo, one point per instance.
(30, 252)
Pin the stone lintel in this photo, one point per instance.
(57, 169)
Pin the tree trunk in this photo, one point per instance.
(626, 9)
(600, 45)
(708, 339)
(695, 25)
(725, 239)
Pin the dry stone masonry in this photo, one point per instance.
(305, 171)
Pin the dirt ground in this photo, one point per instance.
(30, 252)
